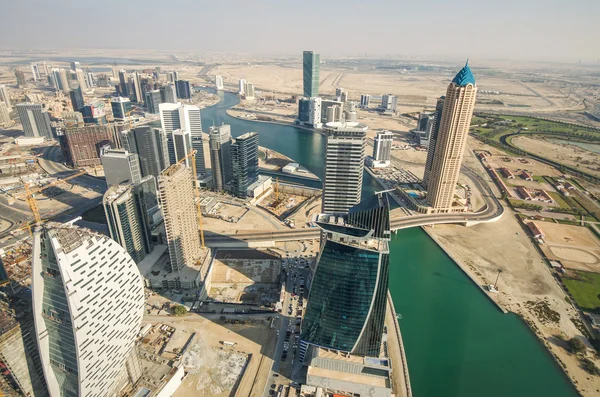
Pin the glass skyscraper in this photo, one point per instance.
(347, 300)
(244, 163)
(310, 66)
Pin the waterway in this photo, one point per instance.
(592, 147)
(458, 343)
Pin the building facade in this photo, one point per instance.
(184, 89)
(35, 120)
(311, 62)
(435, 129)
(120, 107)
(220, 155)
(150, 144)
(450, 141)
(219, 82)
(244, 163)
(88, 304)
(382, 148)
(153, 99)
(121, 167)
(5, 97)
(83, 145)
(168, 93)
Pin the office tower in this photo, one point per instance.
(451, 139)
(4, 97)
(168, 93)
(4, 114)
(314, 115)
(80, 77)
(183, 89)
(365, 100)
(220, 155)
(310, 66)
(127, 222)
(150, 144)
(88, 304)
(219, 82)
(35, 120)
(120, 108)
(347, 301)
(76, 95)
(389, 102)
(153, 99)
(123, 83)
(89, 79)
(35, 71)
(439, 107)
(136, 94)
(344, 165)
(74, 65)
(72, 119)
(61, 80)
(94, 113)
(176, 189)
(242, 87)
(304, 110)
(382, 147)
(21, 80)
(181, 146)
(82, 145)
(121, 167)
(244, 163)
(185, 117)
(249, 91)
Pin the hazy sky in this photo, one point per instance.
(528, 29)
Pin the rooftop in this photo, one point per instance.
(464, 77)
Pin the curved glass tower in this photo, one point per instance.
(347, 300)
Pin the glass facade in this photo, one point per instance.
(244, 163)
(310, 66)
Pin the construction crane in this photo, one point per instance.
(192, 154)
(29, 192)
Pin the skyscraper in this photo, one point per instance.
(219, 82)
(126, 217)
(184, 89)
(439, 107)
(35, 71)
(4, 114)
(382, 148)
(176, 187)
(185, 117)
(242, 87)
(168, 93)
(20, 75)
(35, 120)
(123, 83)
(304, 110)
(136, 95)
(348, 287)
(88, 303)
(4, 97)
(244, 163)
(74, 65)
(365, 100)
(76, 95)
(451, 139)
(61, 80)
(310, 66)
(150, 144)
(249, 90)
(153, 99)
(315, 109)
(220, 155)
(120, 108)
(121, 167)
(80, 77)
(389, 102)
(344, 166)
(182, 145)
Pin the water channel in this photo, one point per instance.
(458, 343)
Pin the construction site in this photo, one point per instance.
(292, 204)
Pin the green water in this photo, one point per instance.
(458, 344)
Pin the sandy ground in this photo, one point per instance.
(482, 251)
(566, 154)
(255, 219)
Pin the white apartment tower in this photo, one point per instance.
(242, 87)
(219, 82)
(88, 304)
(314, 115)
(382, 148)
(176, 188)
(4, 97)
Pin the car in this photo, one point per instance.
(271, 392)
(276, 375)
(273, 386)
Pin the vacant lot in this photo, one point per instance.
(585, 288)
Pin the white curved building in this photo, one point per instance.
(88, 302)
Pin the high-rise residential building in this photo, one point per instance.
(310, 65)
(90, 79)
(120, 108)
(4, 97)
(121, 167)
(450, 141)
(127, 222)
(168, 93)
(439, 107)
(153, 99)
(249, 91)
(88, 304)
(365, 100)
(123, 83)
(242, 87)
(244, 163)
(45, 68)
(350, 114)
(35, 120)
(344, 165)
(76, 95)
(219, 82)
(338, 93)
(314, 115)
(20, 75)
(220, 155)
(184, 89)
(348, 287)
(136, 95)
(389, 102)
(344, 97)
(176, 189)
(4, 114)
(83, 145)
(185, 117)
(326, 104)
(182, 145)
(75, 65)
(80, 77)
(382, 148)
(150, 144)
(35, 71)
(61, 81)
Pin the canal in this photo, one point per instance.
(458, 344)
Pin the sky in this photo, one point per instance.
(552, 30)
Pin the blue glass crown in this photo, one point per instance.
(464, 77)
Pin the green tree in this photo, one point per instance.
(589, 366)
(576, 345)
(179, 310)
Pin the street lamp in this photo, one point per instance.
(497, 277)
